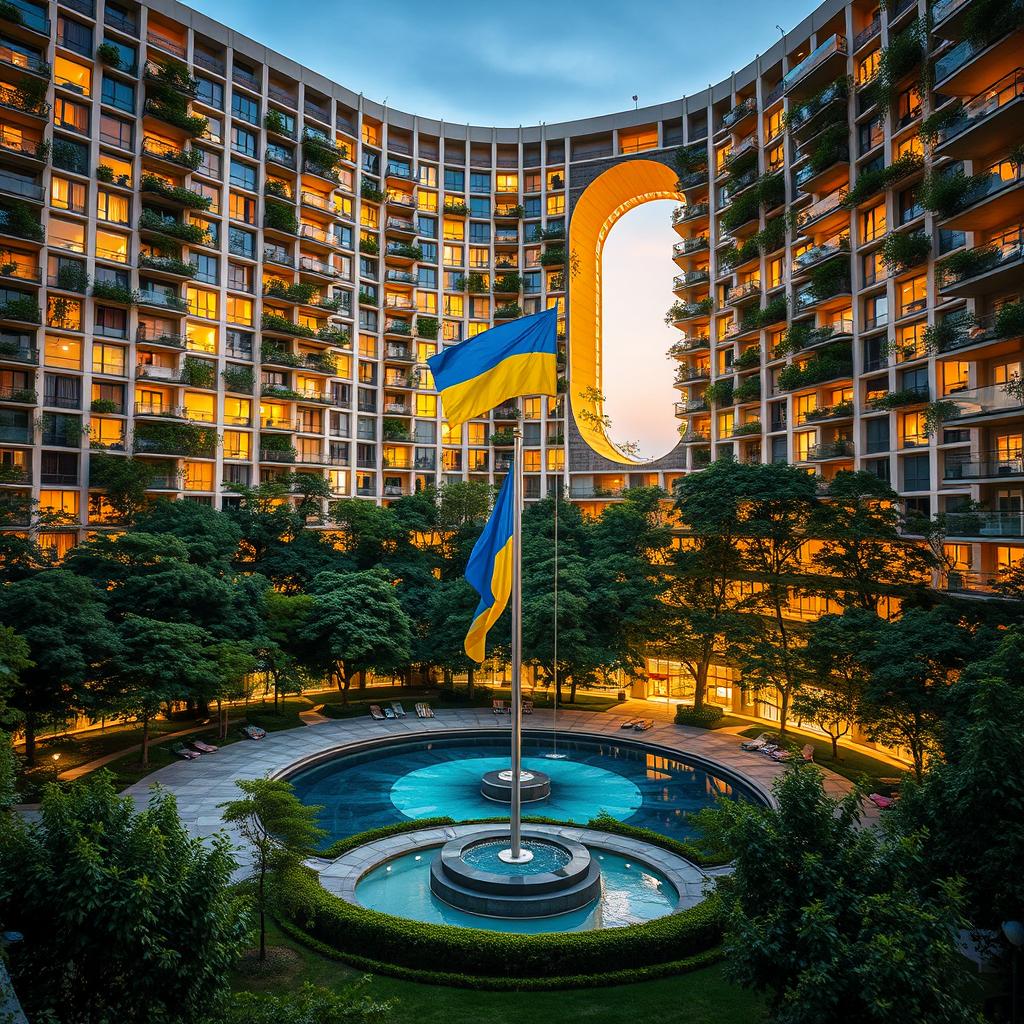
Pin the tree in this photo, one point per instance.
(122, 481)
(61, 618)
(155, 663)
(211, 538)
(357, 624)
(451, 611)
(309, 1005)
(8, 773)
(14, 659)
(863, 549)
(279, 828)
(836, 645)
(369, 532)
(824, 917)
(284, 618)
(125, 916)
(912, 663)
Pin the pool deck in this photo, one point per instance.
(202, 785)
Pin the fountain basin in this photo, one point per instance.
(533, 786)
(560, 877)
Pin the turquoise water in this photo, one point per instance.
(630, 894)
(421, 779)
(546, 857)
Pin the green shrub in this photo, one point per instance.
(706, 718)
(351, 929)
(901, 251)
(944, 193)
(281, 218)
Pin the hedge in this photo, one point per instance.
(450, 979)
(351, 930)
(706, 718)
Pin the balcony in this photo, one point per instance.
(162, 300)
(828, 451)
(744, 109)
(690, 246)
(689, 212)
(990, 269)
(837, 245)
(969, 67)
(804, 121)
(994, 199)
(742, 292)
(826, 61)
(825, 213)
(984, 524)
(993, 401)
(986, 120)
(992, 466)
(690, 279)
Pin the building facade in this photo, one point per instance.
(233, 269)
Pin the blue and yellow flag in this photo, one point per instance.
(489, 569)
(513, 359)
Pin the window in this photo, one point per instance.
(71, 156)
(209, 269)
(870, 135)
(245, 108)
(876, 311)
(112, 207)
(201, 303)
(73, 35)
(110, 321)
(243, 141)
(111, 246)
(909, 206)
(239, 311)
(242, 207)
(70, 115)
(479, 234)
(240, 277)
(876, 433)
(67, 195)
(243, 175)
(915, 473)
(127, 55)
(913, 297)
(73, 77)
(116, 132)
(209, 92)
(454, 181)
(480, 206)
(118, 94)
(108, 358)
(872, 223)
(479, 181)
(556, 204)
(64, 353)
(243, 243)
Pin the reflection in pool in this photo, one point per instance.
(424, 779)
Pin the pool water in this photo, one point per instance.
(425, 779)
(546, 858)
(630, 894)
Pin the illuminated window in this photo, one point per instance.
(63, 352)
(454, 230)
(200, 338)
(426, 405)
(111, 207)
(237, 411)
(911, 144)
(1007, 556)
(241, 207)
(556, 204)
(369, 216)
(531, 460)
(867, 68)
(775, 272)
(201, 303)
(67, 195)
(67, 235)
(65, 502)
(453, 256)
(371, 133)
(111, 246)
(70, 115)
(426, 201)
(912, 430)
(65, 314)
(200, 407)
(237, 444)
(479, 257)
(776, 156)
(105, 432)
(872, 223)
(721, 155)
(910, 343)
(198, 476)
(507, 183)
(239, 311)
(802, 406)
(108, 358)
(556, 459)
(556, 180)
(913, 296)
(773, 124)
(476, 433)
(802, 442)
(74, 77)
(426, 302)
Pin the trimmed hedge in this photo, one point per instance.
(604, 979)
(351, 930)
(340, 846)
(706, 718)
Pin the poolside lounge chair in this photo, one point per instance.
(782, 754)
(644, 724)
(498, 707)
(375, 712)
(254, 732)
(755, 744)
(629, 723)
(883, 803)
(424, 711)
(203, 747)
(183, 752)
(388, 713)
(527, 707)
(398, 709)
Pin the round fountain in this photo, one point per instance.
(533, 786)
(469, 873)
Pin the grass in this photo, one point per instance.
(702, 997)
(852, 764)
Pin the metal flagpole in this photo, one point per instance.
(517, 643)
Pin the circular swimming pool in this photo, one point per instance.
(418, 779)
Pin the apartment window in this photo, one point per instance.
(242, 207)
(878, 468)
(873, 268)
(479, 234)
(916, 476)
(71, 156)
(116, 132)
(913, 295)
(454, 181)
(479, 181)
(243, 141)
(909, 206)
(240, 277)
(245, 108)
(118, 94)
(73, 35)
(876, 434)
(872, 223)
(243, 175)
(480, 206)
(556, 204)
(112, 207)
(532, 207)
(239, 311)
(454, 230)
(867, 68)
(870, 135)
(110, 322)
(876, 311)
(63, 353)
(209, 268)
(429, 250)
(127, 55)
(108, 359)
(209, 92)
(70, 115)
(239, 344)
(67, 195)
(201, 303)
(243, 243)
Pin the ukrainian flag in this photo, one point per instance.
(513, 359)
(489, 569)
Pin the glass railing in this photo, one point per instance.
(822, 207)
(835, 44)
(985, 401)
(944, 8)
(817, 253)
(955, 59)
(985, 524)
(1009, 88)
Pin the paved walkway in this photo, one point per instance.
(200, 786)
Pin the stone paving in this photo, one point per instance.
(200, 786)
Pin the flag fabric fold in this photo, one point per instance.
(489, 569)
(508, 361)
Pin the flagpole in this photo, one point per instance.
(515, 816)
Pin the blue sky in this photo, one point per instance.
(521, 63)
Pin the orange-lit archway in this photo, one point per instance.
(613, 193)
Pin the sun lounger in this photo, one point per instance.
(375, 712)
(424, 711)
(254, 732)
(644, 724)
(527, 707)
(388, 713)
(498, 707)
(883, 803)
(630, 723)
(183, 752)
(202, 747)
(769, 749)
(755, 744)
(398, 710)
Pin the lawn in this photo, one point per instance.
(703, 997)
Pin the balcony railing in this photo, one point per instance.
(816, 254)
(830, 450)
(1009, 88)
(836, 44)
(992, 465)
(985, 401)
(1008, 249)
(821, 208)
(985, 524)
(690, 245)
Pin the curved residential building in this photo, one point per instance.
(233, 268)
